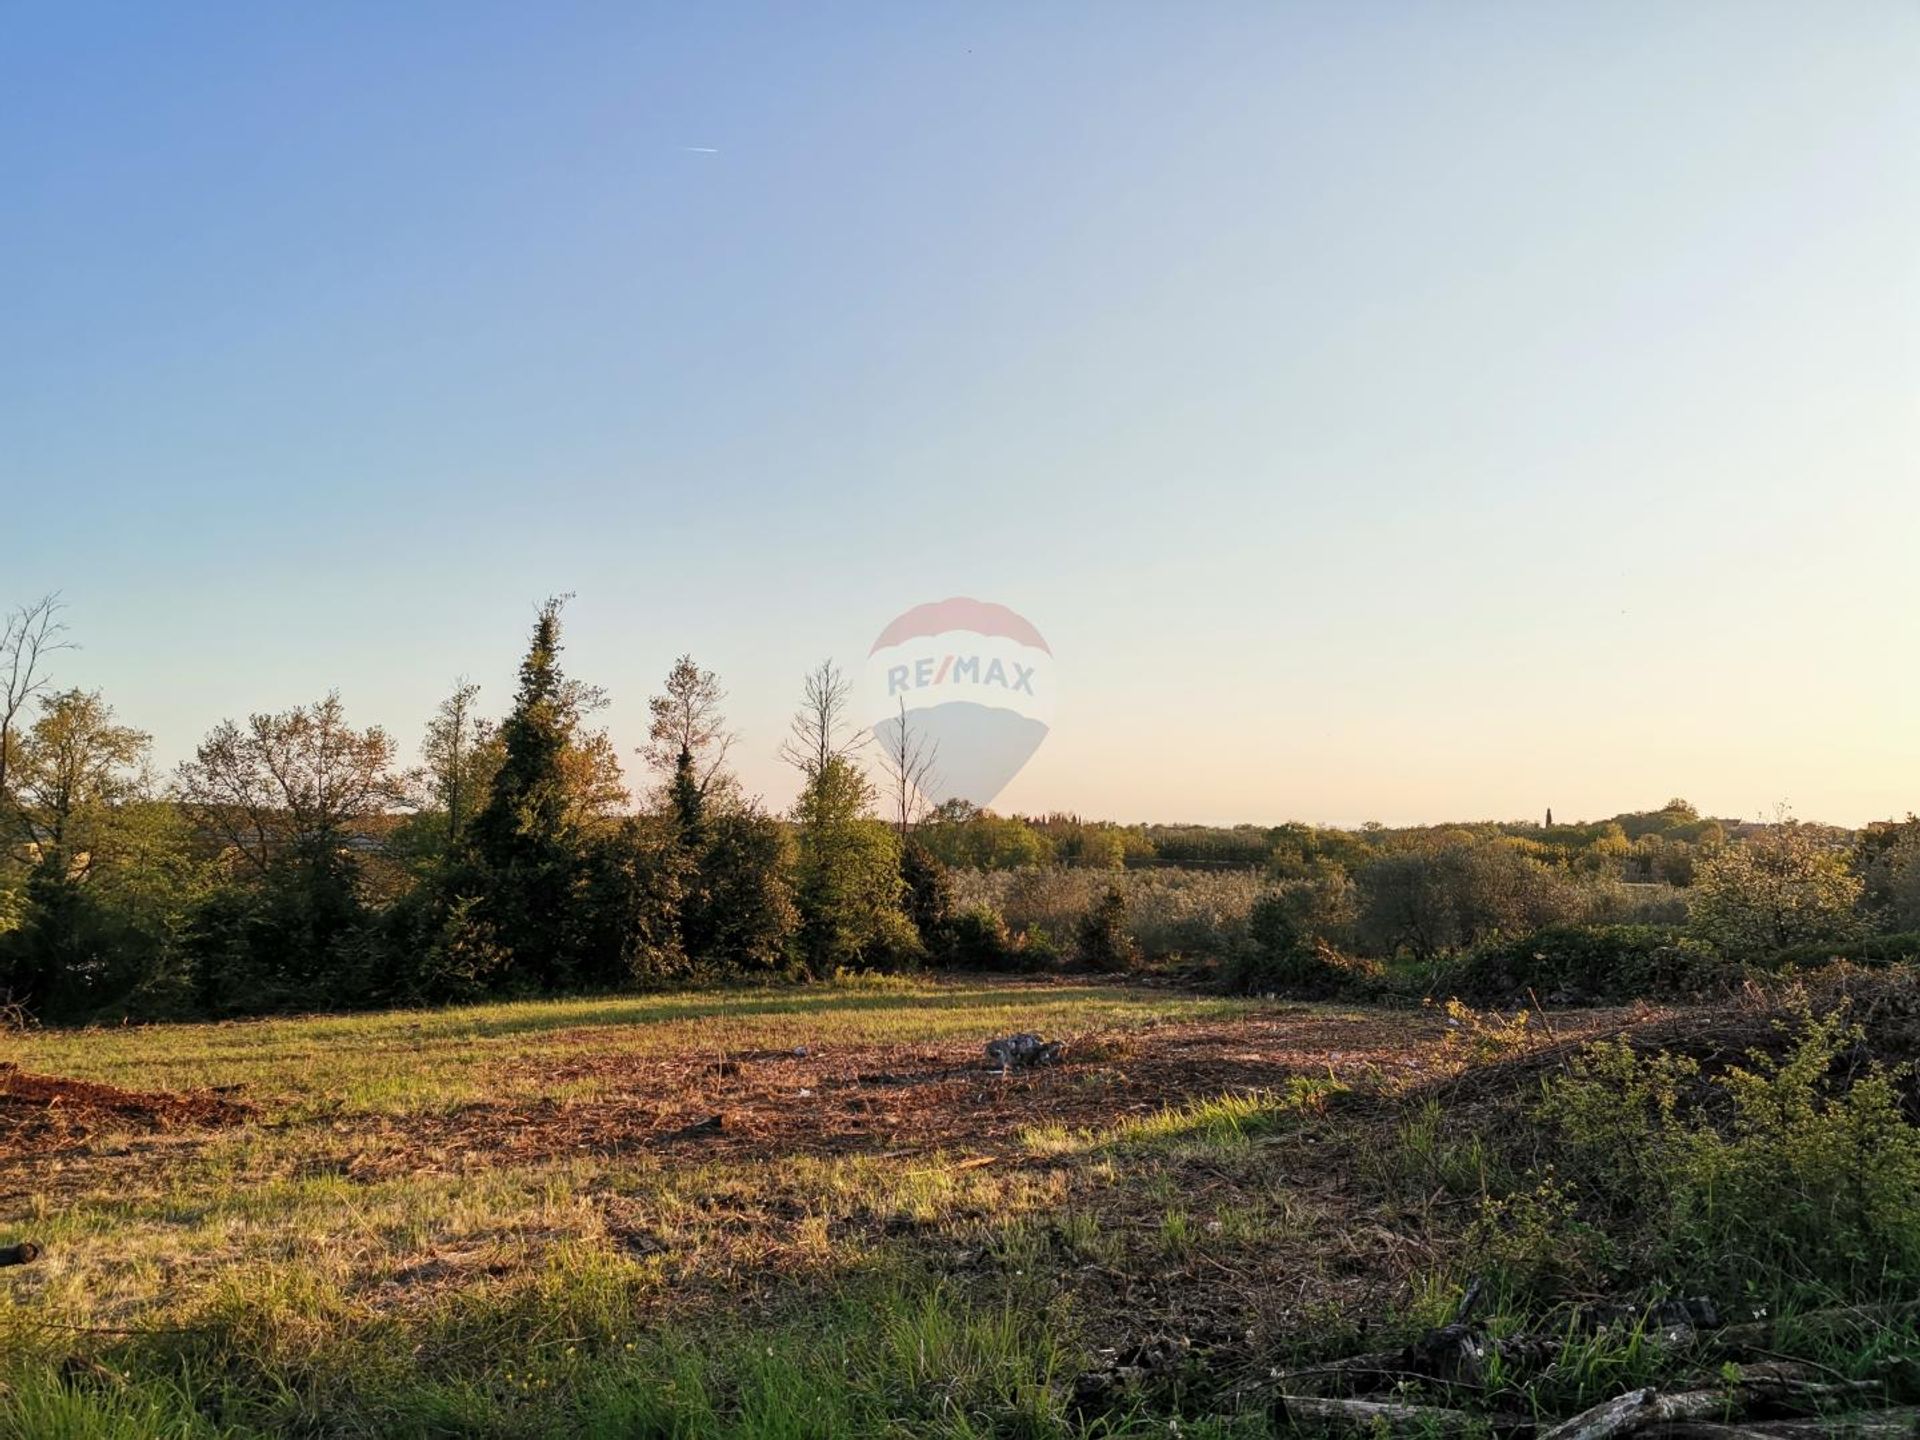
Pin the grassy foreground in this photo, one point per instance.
(268, 1287)
(796, 1213)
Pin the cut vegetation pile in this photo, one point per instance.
(39, 1112)
(1759, 1020)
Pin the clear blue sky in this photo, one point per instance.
(1385, 411)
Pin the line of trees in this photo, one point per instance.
(295, 862)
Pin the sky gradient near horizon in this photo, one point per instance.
(1385, 411)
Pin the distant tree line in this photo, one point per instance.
(297, 861)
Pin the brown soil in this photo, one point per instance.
(43, 1112)
(889, 1100)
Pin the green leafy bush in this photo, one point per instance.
(1282, 956)
(1784, 1168)
(1581, 962)
(1101, 939)
(1902, 949)
(1788, 885)
(1189, 913)
(978, 939)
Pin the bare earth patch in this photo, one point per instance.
(885, 1099)
(42, 1113)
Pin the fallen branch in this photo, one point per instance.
(1373, 1417)
(1646, 1408)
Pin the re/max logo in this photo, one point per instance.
(955, 669)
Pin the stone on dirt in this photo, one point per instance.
(1023, 1051)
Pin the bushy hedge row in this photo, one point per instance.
(1573, 963)
(1868, 950)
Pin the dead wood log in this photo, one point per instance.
(1371, 1417)
(1647, 1409)
(25, 1253)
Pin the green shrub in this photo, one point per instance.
(1535, 1240)
(927, 895)
(1874, 950)
(977, 939)
(1038, 950)
(1580, 962)
(1283, 957)
(1102, 940)
(1785, 1169)
(1170, 912)
(1788, 885)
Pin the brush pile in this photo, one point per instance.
(39, 1112)
(1735, 1388)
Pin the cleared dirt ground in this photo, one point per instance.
(590, 1093)
(1197, 1184)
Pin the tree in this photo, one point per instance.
(461, 752)
(105, 893)
(1086, 844)
(459, 755)
(1886, 857)
(1788, 885)
(591, 778)
(909, 760)
(822, 730)
(290, 787)
(73, 771)
(291, 794)
(524, 844)
(847, 866)
(847, 873)
(962, 836)
(1902, 910)
(1454, 889)
(687, 744)
(1102, 940)
(623, 928)
(928, 897)
(28, 636)
(736, 910)
(1407, 904)
(739, 913)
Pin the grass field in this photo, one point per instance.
(786, 1212)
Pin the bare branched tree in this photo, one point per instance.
(27, 637)
(689, 735)
(822, 731)
(909, 758)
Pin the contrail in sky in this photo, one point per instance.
(701, 149)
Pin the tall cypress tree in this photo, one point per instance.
(522, 844)
(687, 801)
